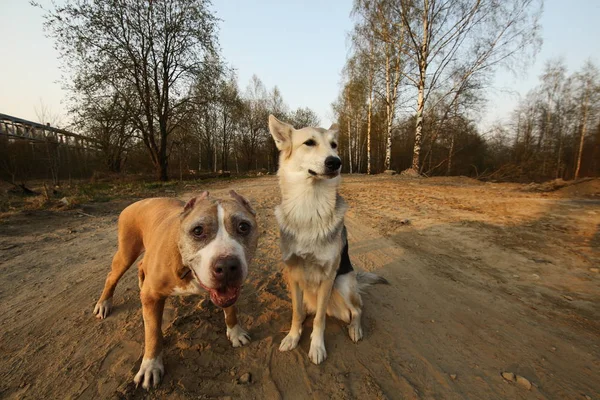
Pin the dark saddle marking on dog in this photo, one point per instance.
(345, 264)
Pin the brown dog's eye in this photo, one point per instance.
(244, 228)
(333, 145)
(198, 231)
(310, 143)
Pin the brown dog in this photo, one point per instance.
(206, 243)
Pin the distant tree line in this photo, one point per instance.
(415, 84)
(148, 82)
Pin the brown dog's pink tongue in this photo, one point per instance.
(224, 297)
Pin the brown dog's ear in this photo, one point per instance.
(281, 132)
(190, 204)
(243, 201)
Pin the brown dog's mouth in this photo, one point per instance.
(225, 297)
(222, 297)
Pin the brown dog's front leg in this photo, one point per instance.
(151, 369)
(235, 333)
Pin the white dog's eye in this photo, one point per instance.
(333, 145)
(198, 231)
(244, 228)
(310, 143)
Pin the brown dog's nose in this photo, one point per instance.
(227, 270)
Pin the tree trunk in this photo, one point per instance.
(560, 146)
(582, 137)
(180, 167)
(369, 112)
(215, 155)
(349, 145)
(237, 165)
(358, 146)
(423, 55)
(581, 141)
(389, 111)
(419, 125)
(223, 150)
(450, 154)
(558, 161)
(163, 173)
(349, 132)
(199, 155)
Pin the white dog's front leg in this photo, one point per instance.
(317, 352)
(293, 337)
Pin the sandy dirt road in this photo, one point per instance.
(485, 278)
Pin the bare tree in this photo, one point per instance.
(474, 36)
(254, 119)
(588, 87)
(378, 18)
(156, 47)
(302, 117)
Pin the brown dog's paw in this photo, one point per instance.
(150, 373)
(103, 308)
(238, 336)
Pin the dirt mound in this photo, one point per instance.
(549, 186)
(581, 188)
(454, 180)
(410, 173)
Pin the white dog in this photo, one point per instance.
(313, 235)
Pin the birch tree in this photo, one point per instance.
(385, 28)
(477, 35)
(587, 87)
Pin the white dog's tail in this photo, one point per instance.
(366, 279)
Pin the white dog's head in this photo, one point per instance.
(308, 152)
(217, 241)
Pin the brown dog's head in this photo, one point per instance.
(217, 241)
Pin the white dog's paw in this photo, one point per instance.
(317, 352)
(151, 370)
(103, 308)
(238, 336)
(290, 341)
(355, 332)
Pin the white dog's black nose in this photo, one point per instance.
(332, 163)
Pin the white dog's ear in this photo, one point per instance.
(281, 132)
(335, 129)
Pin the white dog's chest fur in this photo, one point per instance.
(311, 223)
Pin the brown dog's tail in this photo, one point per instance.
(366, 279)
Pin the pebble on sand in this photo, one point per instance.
(509, 376)
(523, 382)
(245, 379)
(453, 376)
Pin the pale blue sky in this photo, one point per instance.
(299, 46)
